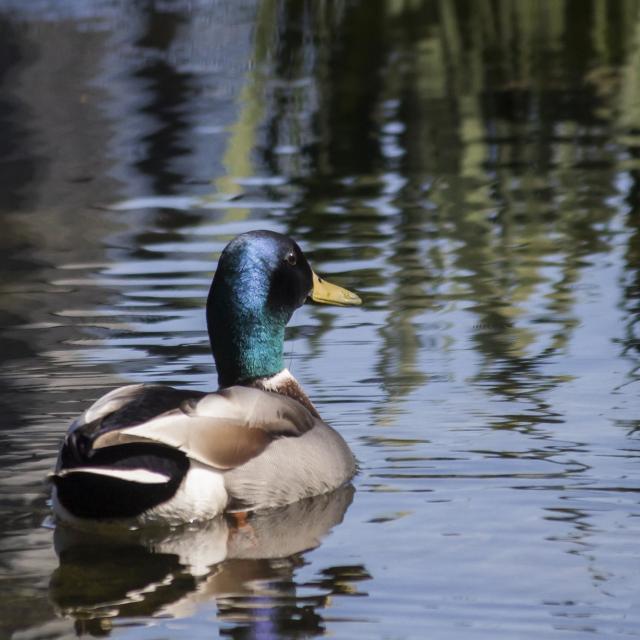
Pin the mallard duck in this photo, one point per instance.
(156, 454)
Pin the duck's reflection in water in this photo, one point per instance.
(246, 567)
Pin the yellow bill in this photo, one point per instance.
(328, 293)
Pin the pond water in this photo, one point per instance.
(471, 169)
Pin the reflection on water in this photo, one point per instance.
(471, 168)
(240, 567)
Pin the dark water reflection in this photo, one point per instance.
(470, 167)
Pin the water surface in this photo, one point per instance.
(472, 169)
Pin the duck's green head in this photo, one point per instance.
(261, 279)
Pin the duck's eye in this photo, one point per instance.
(291, 259)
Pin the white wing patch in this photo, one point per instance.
(141, 476)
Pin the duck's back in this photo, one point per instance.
(154, 452)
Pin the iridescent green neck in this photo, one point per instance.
(245, 345)
(246, 332)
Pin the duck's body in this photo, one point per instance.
(152, 453)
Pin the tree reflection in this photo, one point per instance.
(468, 134)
